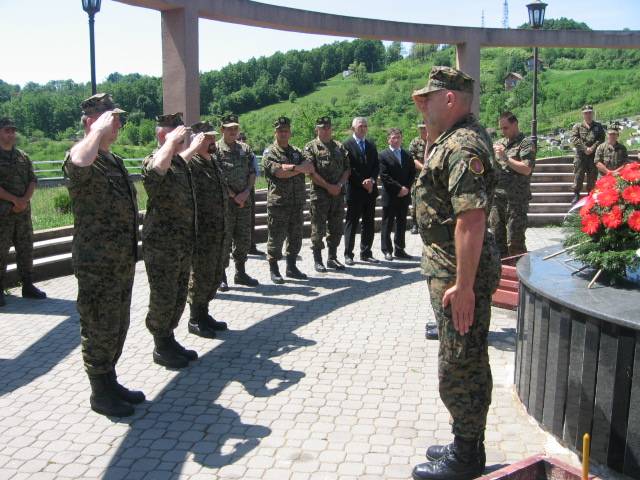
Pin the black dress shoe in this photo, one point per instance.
(402, 255)
(201, 329)
(414, 230)
(369, 259)
(388, 257)
(349, 261)
(254, 250)
(224, 285)
(335, 264)
(431, 332)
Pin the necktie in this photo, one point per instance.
(398, 156)
(361, 145)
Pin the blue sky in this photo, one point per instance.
(46, 40)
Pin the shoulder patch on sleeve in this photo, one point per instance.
(476, 166)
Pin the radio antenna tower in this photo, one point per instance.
(505, 14)
(482, 20)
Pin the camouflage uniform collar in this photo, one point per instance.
(329, 144)
(225, 146)
(281, 149)
(8, 153)
(516, 140)
(469, 119)
(593, 124)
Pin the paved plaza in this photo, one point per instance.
(329, 378)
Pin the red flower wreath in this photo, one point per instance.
(607, 198)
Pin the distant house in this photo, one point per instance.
(346, 73)
(512, 80)
(530, 65)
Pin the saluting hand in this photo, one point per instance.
(176, 136)
(105, 123)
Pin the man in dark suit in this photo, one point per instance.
(397, 172)
(361, 192)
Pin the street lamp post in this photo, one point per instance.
(536, 20)
(92, 7)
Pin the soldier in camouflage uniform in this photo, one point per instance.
(610, 156)
(332, 168)
(169, 235)
(105, 251)
(585, 137)
(209, 259)
(515, 161)
(237, 162)
(285, 168)
(462, 265)
(17, 184)
(416, 151)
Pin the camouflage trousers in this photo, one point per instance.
(239, 232)
(584, 166)
(209, 261)
(104, 301)
(168, 272)
(284, 223)
(464, 373)
(16, 229)
(327, 213)
(508, 222)
(413, 202)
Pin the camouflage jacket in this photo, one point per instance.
(612, 156)
(289, 192)
(211, 193)
(105, 211)
(458, 176)
(237, 163)
(583, 136)
(171, 206)
(16, 174)
(416, 151)
(509, 182)
(330, 161)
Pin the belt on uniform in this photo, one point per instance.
(438, 234)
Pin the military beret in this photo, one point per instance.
(587, 108)
(170, 120)
(446, 78)
(99, 103)
(229, 120)
(323, 121)
(203, 127)
(282, 122)
(6, 122)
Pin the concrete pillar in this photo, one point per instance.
(180, 73)
(468, 60)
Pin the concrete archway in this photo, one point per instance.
(180, 39)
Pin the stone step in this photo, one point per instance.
(544, 219)
(551, 187)
(549, 207)
(553, 167)
(551, 177)
(552, 197)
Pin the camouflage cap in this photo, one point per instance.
(422, 125)
(99, 103)
(282, 122)
(323, 121)
(230, 120)
(204, 127)
(170, 120)
(587, 108)
(446, 78)
(6, 122)
(614, 128)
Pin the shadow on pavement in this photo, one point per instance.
(184, 418)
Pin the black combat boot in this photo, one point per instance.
(254, 250)
(166, 354)
(3, 302)
(29, 290)
(242, 278)
(292, 270)
(186, 353)
(332, 261)
(275, 272)
(104, 399)
(317, 261)
(130, 396)
(462, 460)
(224, 284)
(436, 452)
(198, 324)
(212, 322)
